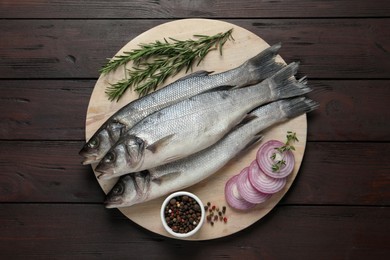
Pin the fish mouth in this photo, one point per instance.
(113, 203)
(90, 160)
(89, 157)
(100, 168)
(104, 176)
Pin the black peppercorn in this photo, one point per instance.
(182, 214)
(215, 214)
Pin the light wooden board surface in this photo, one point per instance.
(244, 46)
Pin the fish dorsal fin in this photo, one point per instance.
(159, 143)
(247, 118)
(199, 73)
(257, 138)
(220, 88)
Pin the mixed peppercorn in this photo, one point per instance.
(182, 214)
(215, 214)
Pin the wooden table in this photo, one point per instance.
(51, 205)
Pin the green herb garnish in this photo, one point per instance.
(154, 62)
(279, 164)
(291, 138)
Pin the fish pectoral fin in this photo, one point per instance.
(159, 143)
(160, 178)
(172, 159)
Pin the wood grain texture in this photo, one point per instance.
(43, 110)
(245, 45)
(336, 173)
(201, 8)
(354, 48)
(32, 170)
(90, 231)
(349, 109)
(338, 207)
(351, 171)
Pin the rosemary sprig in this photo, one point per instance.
(154, 62)
(291, 138)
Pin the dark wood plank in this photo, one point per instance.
(350, 110)
(50, 204)
(331, 173)
(46, 172)
(90, 231)
(44, 109)
(327, 48)
(343, 173)
(201, 8)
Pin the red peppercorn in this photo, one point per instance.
(179, 211)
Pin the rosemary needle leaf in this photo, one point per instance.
(114, 91)
(154, 62)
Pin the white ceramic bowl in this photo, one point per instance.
(162, 214)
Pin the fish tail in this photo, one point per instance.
(284, 85)
(297, 106)
(264, 64)
(280, 111)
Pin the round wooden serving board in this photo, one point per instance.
(244, 46)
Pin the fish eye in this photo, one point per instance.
(109, 157)
(118, 189)
(93, 143)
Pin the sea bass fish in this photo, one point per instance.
(251, 72)
(150, 184)
(193, 124)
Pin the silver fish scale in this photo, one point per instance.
(252, 71)
(188, 171)
(201, 119)
(176, 92)
(196, 123)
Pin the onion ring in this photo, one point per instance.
(232, 196)
(247, 191)
(265, 161)
(262, 182)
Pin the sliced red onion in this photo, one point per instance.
(247, 191)
(233, 197)
(265, 161)
(262, 182)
